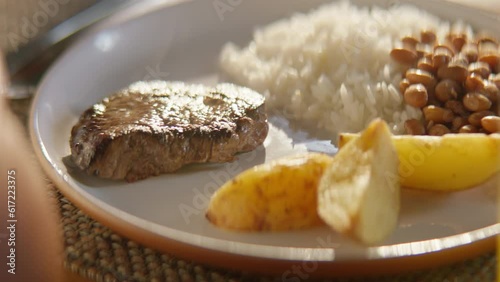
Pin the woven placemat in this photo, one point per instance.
(97, 253)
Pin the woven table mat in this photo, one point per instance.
(97, 253)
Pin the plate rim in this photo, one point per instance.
(461, 246)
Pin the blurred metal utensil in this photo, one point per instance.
(27, 65)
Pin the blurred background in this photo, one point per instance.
(22, 20)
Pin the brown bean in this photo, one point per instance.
(476, 102)
(488, 53)
(415, 76)
(455, 70)
(470, 51)
(424, 50)
(458, 122)
(404, 54)
(495, 78)
(456, 107)
(486, 47)
(439, 130)
(416, 95)
(491, 91)
(403, 85)
(441, 56)
(414, 127)
(460, 59)
(437, 114)
(458, 28)
(433, 101)
(468, 129)
(426, 65)
(458, 41)
(447, 89)
(447, 45)
(410, 40)
(427, 36)
(457, 35)
(484, 37)
(474, 82)
(491, 124)
(480, 68)
(475, 118)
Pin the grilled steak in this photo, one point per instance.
(157, 127)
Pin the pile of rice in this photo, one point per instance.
(331, 67)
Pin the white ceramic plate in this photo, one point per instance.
(181, 41)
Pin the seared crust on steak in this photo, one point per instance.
(157, 127)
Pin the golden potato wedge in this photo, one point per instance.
(446, 163)
(358, 194)
(276, 196)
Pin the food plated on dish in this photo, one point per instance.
(357, 192)
(322, 82)
(451, 76)
(448, 83)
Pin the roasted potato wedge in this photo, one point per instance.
(359, 193)
(446, 163)
(276, 196)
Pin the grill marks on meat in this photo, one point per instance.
(157, 127)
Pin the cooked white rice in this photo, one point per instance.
(331, 67)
